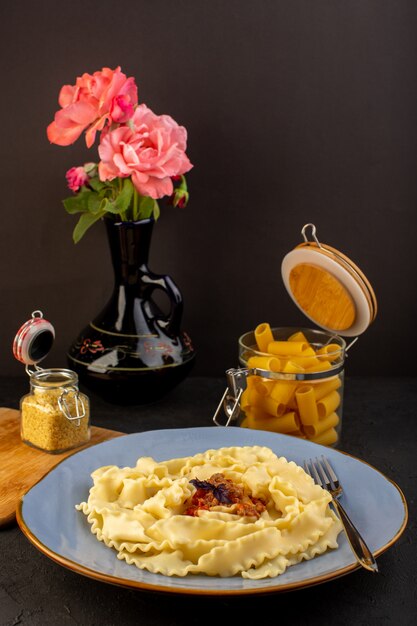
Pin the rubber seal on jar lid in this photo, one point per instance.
(329, 288)
(33, 340)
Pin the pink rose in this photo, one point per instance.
(151, 151)
(105, 96)
(76, 177)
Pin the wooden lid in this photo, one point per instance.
(328, 287)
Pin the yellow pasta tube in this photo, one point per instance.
(313, 430)
(256, 383)
(297, 433)
(269, 405)
(251, 382)
(283, 390)
(257, 413)
(287, 348)
(292, 402)
(263, 336)
(298, 336)
(323, 389)
(270, 363)
(283, 424)
(307, 359)
(244, 399)
(328, 404)
(265, 386)
(317, 365)
(327, 438)
(273, 407)
(306, 402)
(249, 422)
(331, 351)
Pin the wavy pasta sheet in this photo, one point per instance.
(138, 511)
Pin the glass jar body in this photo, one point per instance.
(296, 387)
(55, 415)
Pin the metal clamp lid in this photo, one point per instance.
(236, 385)
(33, 340)
(80, 411)
(236, 379)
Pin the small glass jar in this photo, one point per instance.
(297, 389)
(55, 415)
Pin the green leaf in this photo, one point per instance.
(77, 203)
(124, 198)
(96, 184)
(146, 207)
(109, 206)
(84, 223)
(94, 202)
(156, 211)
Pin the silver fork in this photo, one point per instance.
(322, 473)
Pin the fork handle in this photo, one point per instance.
(357, 543)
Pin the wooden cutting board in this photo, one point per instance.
(22, 466)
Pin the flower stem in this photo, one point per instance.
(135, 205)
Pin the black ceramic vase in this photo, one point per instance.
(133, 353)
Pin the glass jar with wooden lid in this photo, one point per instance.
(291, 380)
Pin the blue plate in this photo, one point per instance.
(47, 514)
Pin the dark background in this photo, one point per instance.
(297, 111)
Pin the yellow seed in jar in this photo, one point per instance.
(44, 426)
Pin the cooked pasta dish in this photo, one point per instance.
(231, 511)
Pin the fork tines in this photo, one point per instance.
(322, 472)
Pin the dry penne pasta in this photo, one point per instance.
(264, 386)
(283, 390)
(306, 402)
(287, 348)
(323, 389)
(291, 401)
(298, 336)
(263, 337)
(286, 423)
(270, 363)
(331, 352)
(322, 425)
(319, 366)
(328, 404)
(327, 438)
(266, 403)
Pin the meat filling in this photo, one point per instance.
(221, 491)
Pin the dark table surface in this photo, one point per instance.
(379, 426)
